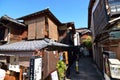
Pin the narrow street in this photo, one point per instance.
(87, 70)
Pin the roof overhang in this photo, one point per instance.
(31, 45)
(10, 20)
(107, 29)
(27, 48)
(45, 12)
(91, 3)
(67, 26)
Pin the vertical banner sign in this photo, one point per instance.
(35, 68)
(31, 69)
(76, 39)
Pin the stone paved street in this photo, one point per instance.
(87, 70)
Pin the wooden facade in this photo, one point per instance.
(53, 30)
(17, 33)
(11, 30)
(4, 33)
(36, 28)
(48, 65)
(101, 22)
(42, 24)
(100, 17)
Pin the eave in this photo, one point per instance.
(11, 20)
(45, 12)
(91, 3)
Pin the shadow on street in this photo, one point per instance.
(87, 70)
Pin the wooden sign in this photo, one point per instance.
(35, 68)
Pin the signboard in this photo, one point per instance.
(14, 64)
(76, 39)
(35, 68)
(115, 71)
(54, 75)
(115, 68)
(15, 68)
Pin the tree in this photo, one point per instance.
(87, 42)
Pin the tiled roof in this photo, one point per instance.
(5, 17)
(45, 12)
(24, 46)
(30, 45)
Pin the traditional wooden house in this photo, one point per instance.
(12, 30)
(104, 20)
(42, 24)
(84, 33)
(30, 35)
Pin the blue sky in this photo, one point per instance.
(65, 10)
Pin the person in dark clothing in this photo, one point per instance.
(77, 56)
(71, 60)
(73, 56)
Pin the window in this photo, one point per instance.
(4, 34)
(115, 6)
(113, 9)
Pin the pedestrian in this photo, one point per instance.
(77, 53)
(71, 60)
(82, 50)
(85, 51)
(2, 72)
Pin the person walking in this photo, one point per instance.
(2, 72)
(71, 60)
(77, 53)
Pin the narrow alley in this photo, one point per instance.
(60, 40)
(87, 70)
